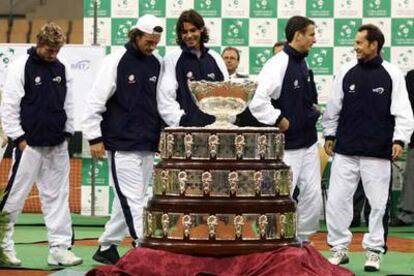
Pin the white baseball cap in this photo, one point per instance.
(147, 23)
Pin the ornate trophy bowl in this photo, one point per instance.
(224, 100)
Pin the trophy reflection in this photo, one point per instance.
(224, 100)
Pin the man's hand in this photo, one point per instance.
(97, 150)
(397, 150)
(316, 108)
(22, 145)
(283, 125)
(329, 147)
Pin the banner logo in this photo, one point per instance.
(150, 4)
(405, 58)
(82, 65)
(374, 4)
(262, 57)
(263, 29)
(205, 4)
(405, 29)
(289, 4)
(317, 4)
(122, 4)
(261, 4)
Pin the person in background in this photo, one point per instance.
(366, 123)
(277, 47)
(38, 115)
(231, 57)
(192, 61)
(286, 98)
(406, 214)
(122, 120)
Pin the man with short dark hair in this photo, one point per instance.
(122, 119)
(366, 123)
(286, 97)
(231, 57)
(37, 114)
(193, 61)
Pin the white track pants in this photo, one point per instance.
(130, 173)
(305, 165)
(346, 172)
(49, 168)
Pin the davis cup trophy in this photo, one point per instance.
(224, 100)
(220, 190)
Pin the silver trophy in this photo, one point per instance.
(224, 99)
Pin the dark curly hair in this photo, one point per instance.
(193, 17)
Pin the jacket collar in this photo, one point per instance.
(133, 50)
(191, 51)
(375, 62)
(294, 53)
(33, 54)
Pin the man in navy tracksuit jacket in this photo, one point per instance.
(37, 114)
(122, 118)
(193, 61)
(286, 97)
(367, 121)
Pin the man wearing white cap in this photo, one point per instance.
(122, 120)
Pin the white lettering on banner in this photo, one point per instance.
(82, 65)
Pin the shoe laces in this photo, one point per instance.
(64, 252)
(338, 254)
(373, 257)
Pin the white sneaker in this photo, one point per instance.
(339, 257)
(373, 261)
(60, 256)
(11, 258)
